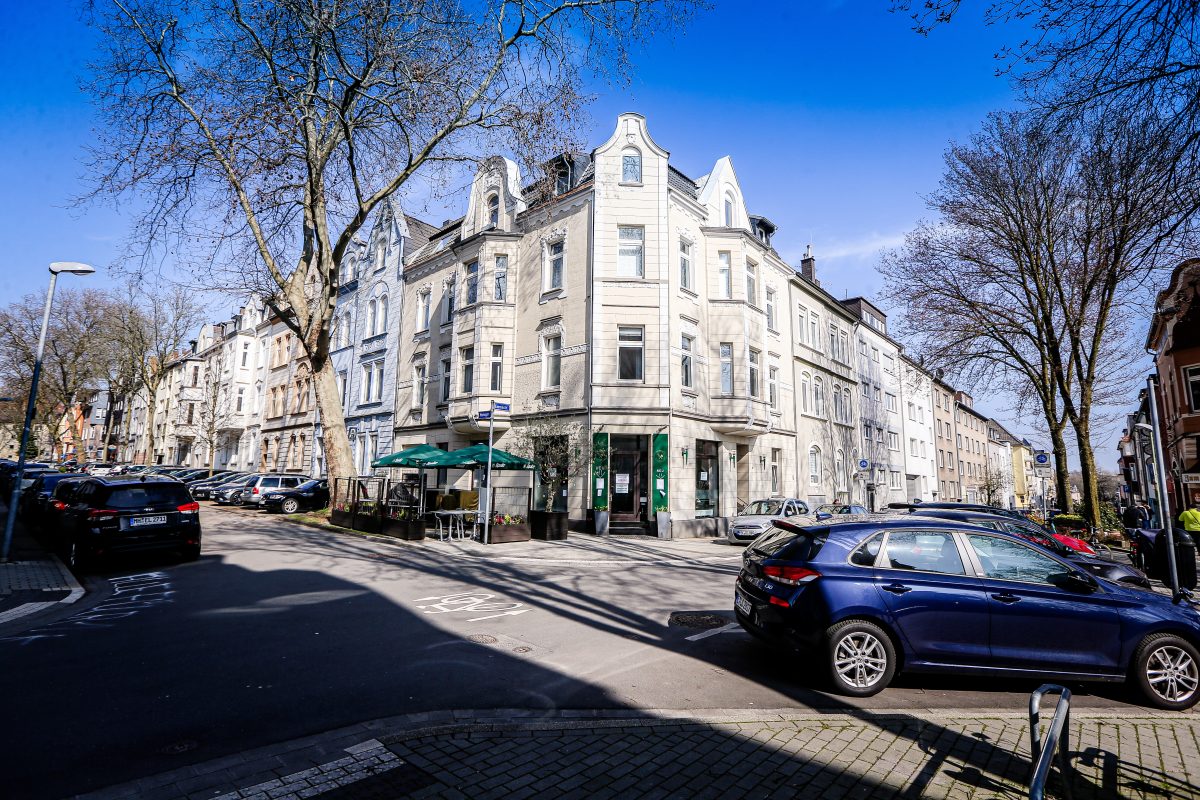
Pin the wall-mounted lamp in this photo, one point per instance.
(732, 459)
(684, 452)
(762, 461)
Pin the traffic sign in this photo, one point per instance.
(1042, 459)
(500, 406)
(863, 463)
(485, 415)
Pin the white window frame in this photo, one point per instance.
(725, 353)
(493, 205)
(751, 282)
(500, 284)
(555, 252)
(631, 249)
(769, 303)
(685, 264)
(773, 387)
(626, 341)
(818, 396)
(424, 300)
(447, 379)
(551, 357)
(724, 274)
(496, 368)
(753, 371)
(471, 290)
(1191, 387)
(466, 358)
(814, 466)
(631, 165)
(419, 371)
(686, 361)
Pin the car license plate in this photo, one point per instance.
(743, 605)
(137, 522)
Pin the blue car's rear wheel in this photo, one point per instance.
(860, 657)
(1166, 669)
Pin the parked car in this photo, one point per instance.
(255, 490)
(756, 517)
(202, 490)
(834, 509)
(205, 476)
(8, 472)
(308, 495)
(114, 515)
(874, 596)
(1031, 531)
(232, 493)
(54, 515)
(32, 505)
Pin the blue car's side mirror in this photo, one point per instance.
(823, 515)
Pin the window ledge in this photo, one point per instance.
(547, 392)
(689, 391)
(371, 403)
(630, 183)
(688, 290)
(552, 294)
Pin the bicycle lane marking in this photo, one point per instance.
(131, 594)
(469, 602)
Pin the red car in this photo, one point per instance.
(1075, 543)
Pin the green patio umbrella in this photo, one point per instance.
(415, 456)
(476, 456)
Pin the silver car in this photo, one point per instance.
(756, 517)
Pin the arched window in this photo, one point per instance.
(631, 165)
(334, 331)
(805, 392)
(372, 314)
(728, 210)
(837, 402)
(847, 409)
(383, 313)
(380, 253)
(493, 203)
(839, 467)
(814, 465)
(818, 397)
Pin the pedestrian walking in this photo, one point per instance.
(1134, 516)
(1191, 518)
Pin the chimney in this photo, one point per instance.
(192, 342)
(808, 266)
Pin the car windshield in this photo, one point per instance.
(762, 508)
(313, 484)
(800, 545)
(139, 495)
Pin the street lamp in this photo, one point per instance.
(73, 268)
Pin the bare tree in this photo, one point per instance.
(1044, 234)
(994, 484)
(274, 130)
(152, 325)
(559, 449)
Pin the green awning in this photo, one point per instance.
(476, 457)
(415, 457)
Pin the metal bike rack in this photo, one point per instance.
(1057, 739)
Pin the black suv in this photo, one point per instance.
(125, 514)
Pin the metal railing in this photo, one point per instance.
(1057, 739)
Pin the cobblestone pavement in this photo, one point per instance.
(33, 579)
(753, 754)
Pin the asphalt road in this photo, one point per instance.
(282, 631)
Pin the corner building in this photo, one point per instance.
(648, 307)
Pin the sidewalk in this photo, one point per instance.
(33, 579)
(659, 754)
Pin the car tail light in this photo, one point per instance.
(189, 508)
(101, 515)
(779, 601)
(58, 505)
(255, 491)
(792, 576)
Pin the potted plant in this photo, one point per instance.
(341, 509)
(559, 451)
(508, 528)
(404, 522)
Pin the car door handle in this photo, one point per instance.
(897, 588)
(1006, 597)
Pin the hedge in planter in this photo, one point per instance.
(508, 528)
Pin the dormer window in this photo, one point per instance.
(631, 166)
(562, 180)
(494, 210)
(728, 211)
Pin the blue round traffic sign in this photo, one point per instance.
(863, 463)
(1042, 458)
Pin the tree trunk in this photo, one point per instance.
(1062, 478)
(339, 462)
(1090, 490)
(148, 454)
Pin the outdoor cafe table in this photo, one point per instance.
(454, 522)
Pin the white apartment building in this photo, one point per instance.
(920, 461)
(971, 441)
(627, 298)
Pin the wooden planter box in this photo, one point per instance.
(410, 530)
(367, 523)
(550, 526)
(502, 534)
(343, 519)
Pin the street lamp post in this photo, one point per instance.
(74, 268)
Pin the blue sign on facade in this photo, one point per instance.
(502, 406)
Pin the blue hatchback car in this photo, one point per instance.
(878, 596)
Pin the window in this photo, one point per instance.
(773, 386)
(383, 313)
(685, 264)
(814, 330)
(423, 311)
(552, 355)
(708, 483)
(448, 307)
(839, 470)
(629, 251)
(501, 288)
(755, 358)
(468, 369)
(912, 446)
(629, 353)
(770, 302)
(802, 325)
(924, 551)
(685, 361)
(497, 371)
(814, 466)
(894, 479)
(751, 283)
(631, 166)
(837, 403)
(371, 390)
(419, 386)
(805, 392)
(245, 353)
(844, 346)
(343, 386)
(1191, 377)
(893, 440)
(445, 379)
(195, 376)
(891, 403)
(372, 317)
(494, 210)
(554, 267)
(726, 368)
(866, 436)
(833, 342)
(472, 282)
(728, 211)
(562, 181)
(1006, 560)
(818, 397)
(724, 276)
(776, 455)
(191, 413)
(847, 408)
(241, 398)
(875, 354)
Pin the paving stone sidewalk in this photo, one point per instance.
(726, 754)
(33, 579)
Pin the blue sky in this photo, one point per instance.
(835, 114)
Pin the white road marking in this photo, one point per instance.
(732, 627)
(505, 614)
(466, 601)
